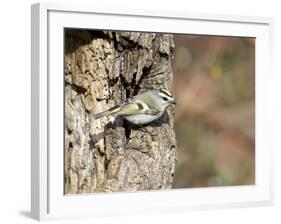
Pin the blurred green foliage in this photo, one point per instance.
(215, 115)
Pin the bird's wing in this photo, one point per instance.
(136, 108)
(131, 108)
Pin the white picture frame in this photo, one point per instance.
(48, 201)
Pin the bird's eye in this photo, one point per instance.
(165, 98)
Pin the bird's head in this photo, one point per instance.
(165, 97)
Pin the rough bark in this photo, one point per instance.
(102, 69)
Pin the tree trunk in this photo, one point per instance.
(102, 68)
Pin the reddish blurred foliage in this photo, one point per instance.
(215, 113)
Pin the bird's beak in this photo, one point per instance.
(174, 102)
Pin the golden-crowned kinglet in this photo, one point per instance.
(142, 108)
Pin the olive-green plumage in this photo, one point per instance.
(142, 108)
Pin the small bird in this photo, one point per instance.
(142, 108)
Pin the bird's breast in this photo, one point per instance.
(142, 118)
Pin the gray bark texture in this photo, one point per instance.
(103, 68)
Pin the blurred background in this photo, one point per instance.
(215, 114)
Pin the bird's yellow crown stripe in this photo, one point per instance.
(167, 92)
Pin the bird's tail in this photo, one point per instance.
(111, 111)
(102, 114)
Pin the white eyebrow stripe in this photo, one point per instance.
(166, 92)
(165, 95)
